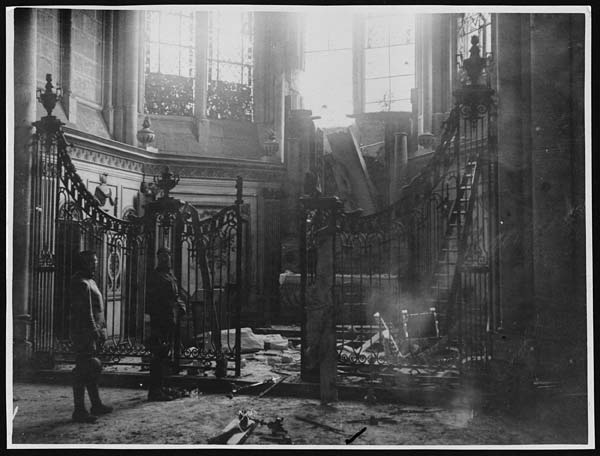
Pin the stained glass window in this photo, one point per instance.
(170, 62)
(389, 62)
(230, 65)
(326, 85)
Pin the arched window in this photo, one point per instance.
(170, 62)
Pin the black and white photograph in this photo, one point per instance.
(300, 226)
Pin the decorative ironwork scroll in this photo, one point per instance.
(208, 255)
(425, 265)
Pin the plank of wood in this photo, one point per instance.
(232, 434)
(281, 379)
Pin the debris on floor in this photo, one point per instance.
(268, 381)
(374, 421)
(237, 431)
(318, 424)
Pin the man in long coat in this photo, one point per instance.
(164, 306)
(88, 333)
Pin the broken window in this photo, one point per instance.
(389, 53)
(326, 84)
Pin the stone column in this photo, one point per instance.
(399, 164)
(514, 170)
(557, 151)
(202, 124)
(68, 101)
(107, 93)
(201, 64)
(358, 64)
(319, 352)
(127, 44)
(25, 24)
(423, 69)
(440, 70)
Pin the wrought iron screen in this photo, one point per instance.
(209, 258)
(416, 284)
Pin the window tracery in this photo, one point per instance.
(170, 62)
(230, 66)
(389, 62)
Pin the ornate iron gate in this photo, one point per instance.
(416, 284)
(208, 259)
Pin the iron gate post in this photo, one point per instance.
(241, 289)
(319, 343)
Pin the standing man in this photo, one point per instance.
(164, 307)
(88, 332)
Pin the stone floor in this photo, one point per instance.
(42, 417)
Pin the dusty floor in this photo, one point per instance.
(44, 412)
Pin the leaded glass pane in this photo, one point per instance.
(230, 72)
(389, 61)
(377, 90)
(317, 36)
(187, 31)
(402, 60)
(187, 63)
(400, 86)
(377, 32)
(169, 28)
(401, 30)
(152, 25)
(340, 34)
(170, 62)
(169, 59)
(377, 62)
(230, 58)
(401, 105)
(247, 75)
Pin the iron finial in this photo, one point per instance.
(49, 97)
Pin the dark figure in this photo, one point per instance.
(164, 308)
(88, 332)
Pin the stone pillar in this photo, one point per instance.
(25, 23)
(126, 109)
(319, 352)
(201, 64)
(557, 148)
(423, 69)
(298, 130)
(107, 95)
(68, 101)
(400, 162)
(514, 170)
(441, 70)
(358, 64)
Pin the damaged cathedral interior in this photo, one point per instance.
(354, 211)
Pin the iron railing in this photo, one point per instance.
(418, 278)
(209, 256)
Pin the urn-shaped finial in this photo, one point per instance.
(145, 136)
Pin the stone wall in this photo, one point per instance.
(87, 54)
(48, 44)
